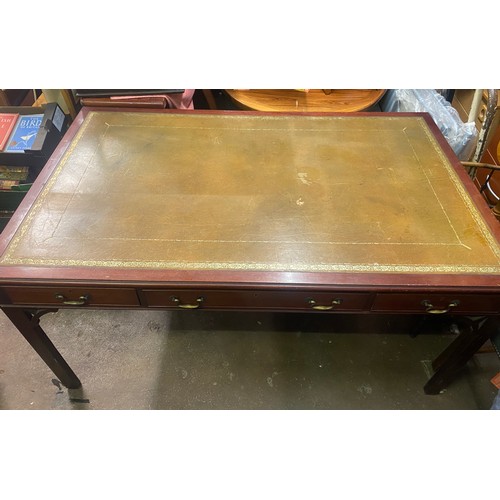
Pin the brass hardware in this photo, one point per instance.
(82, 300)
(432, 310)
(316, 307)
(199, 300)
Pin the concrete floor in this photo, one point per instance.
(227, 360)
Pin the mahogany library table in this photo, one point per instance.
(329, 213)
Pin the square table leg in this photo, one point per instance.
(28, 326)
(459, 352)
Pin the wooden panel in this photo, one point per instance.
(29, 295)
(227, 299)
(420, 303)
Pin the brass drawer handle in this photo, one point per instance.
(82, 300)
(432, 310)
(199, 300)
(316, 307)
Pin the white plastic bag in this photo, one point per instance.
(462, 137)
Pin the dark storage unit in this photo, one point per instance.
(52, 129)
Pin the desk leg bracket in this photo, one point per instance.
(36, 314)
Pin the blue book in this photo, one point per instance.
(24, 134)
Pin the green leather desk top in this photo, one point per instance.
(248, 192)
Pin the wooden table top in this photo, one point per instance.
(314, 100)
(158, 192)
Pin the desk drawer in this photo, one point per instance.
(437, 303)
(71, 297)
(252, 299)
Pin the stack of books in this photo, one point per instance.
(18, 132)
(17, 135)
(12, 177)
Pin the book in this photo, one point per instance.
(24, 134)
(9, 173)
(146, 102)
(123, 92)
(7, 185)
(7, 122)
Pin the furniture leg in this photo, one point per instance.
(207, 93)
(29, 328)
(459, 352)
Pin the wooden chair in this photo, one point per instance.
(488, 125)
(493, 168)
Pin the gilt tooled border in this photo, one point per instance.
(7, 257)
(260, 266)
(478, 219)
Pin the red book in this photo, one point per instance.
(7, 122)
